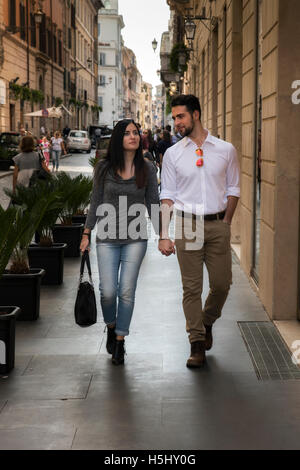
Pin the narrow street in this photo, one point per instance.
(64, 393)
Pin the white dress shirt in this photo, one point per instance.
(200, 190)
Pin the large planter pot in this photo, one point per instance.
(79, 219)
(51, 259)
(71, 235)
(23, 290)
(8, 317)
(6, 164)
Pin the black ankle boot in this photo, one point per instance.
(111, 339)
(118, 353)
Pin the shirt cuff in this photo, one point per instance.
(233, 191)
(166, 195)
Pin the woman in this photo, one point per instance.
(120, 249)
(45, 147)
(57, 146)
(26, 162)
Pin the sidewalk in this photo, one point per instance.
(64, 393)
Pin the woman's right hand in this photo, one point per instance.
(84, 245)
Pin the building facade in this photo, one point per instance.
(146, 119)
(44, 64)
(110, 95)
(159, 119)
(244, 67)
(132, 85)
(86, 67)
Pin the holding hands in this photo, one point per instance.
(166, 247)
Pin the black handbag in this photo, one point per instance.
(85, 306)
(41, 173)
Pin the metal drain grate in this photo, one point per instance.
(271, 357)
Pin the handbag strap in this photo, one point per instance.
(85, 260)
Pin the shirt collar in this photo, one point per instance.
(209, 139)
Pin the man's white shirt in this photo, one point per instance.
(200, 190)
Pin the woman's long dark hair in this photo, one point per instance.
(115, 155)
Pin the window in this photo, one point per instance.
(102, 58)
(22, 22)
(69, 38)
(54, 49)
(102, 80)
(43, 34)
(49, 40)
(73, 13)
(100, 101)
(99, 29)
(12, 13)
(33, 30)
(59, 53)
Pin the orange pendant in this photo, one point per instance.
(200, 162)
(199, 152)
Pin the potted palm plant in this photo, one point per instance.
(44, 253)
(20, 284)
(8, 313)
(83, 199)
(76, 194)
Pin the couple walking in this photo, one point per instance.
(200, 181)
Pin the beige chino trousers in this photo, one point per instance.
(215, 251)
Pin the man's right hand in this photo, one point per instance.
(166, 247)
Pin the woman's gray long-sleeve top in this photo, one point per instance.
(113, 207)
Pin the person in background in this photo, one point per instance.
(163, 145)
(45, 146)
(66, 131)
(145, 141)
(157, 135)
(57, 146)
(26, 162)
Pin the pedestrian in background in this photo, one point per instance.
(163, 145)
(57, 146)
(26, 162)
(45, 146)
(124, 172)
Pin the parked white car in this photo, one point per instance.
(78, 140)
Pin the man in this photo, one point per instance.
(66, 131)
(97, 135)
(200, 178)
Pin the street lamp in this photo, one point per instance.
(173, 87)
(154, 44)
(38, 16)
(190, 29)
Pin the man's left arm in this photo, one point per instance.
(232, 184)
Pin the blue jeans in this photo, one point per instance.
(55, 158)
(119, 266)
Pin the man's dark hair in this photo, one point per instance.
(190, 101)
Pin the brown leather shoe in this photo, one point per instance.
(197, 357)
(208, 337)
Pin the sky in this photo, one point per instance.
(145, 20)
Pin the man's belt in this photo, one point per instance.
(218, 216)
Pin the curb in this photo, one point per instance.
(3, 174)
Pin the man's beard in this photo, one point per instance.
(188, 130)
